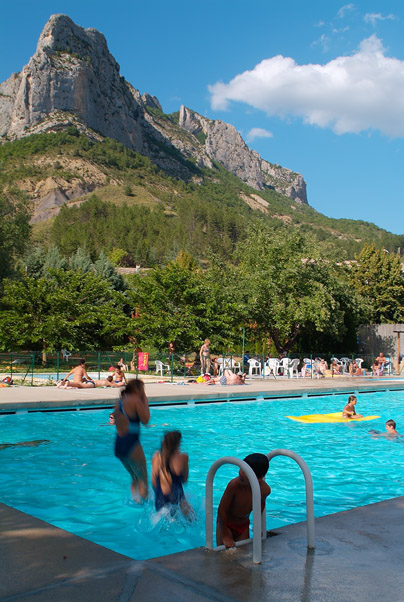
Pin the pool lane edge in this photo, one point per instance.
(25, 399)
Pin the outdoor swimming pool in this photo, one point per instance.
(76, 483)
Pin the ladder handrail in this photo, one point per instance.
(256, 494)
(309, 490)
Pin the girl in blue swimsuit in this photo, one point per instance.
(131, 410)
(169, 472)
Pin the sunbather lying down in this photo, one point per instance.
(227, 378)
(91, 384)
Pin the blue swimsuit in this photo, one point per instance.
(124, 445)
(176, 494)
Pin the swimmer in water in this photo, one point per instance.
(392, 433)
(169, 472)
(24, 443)
(349, 410)
(131, 410)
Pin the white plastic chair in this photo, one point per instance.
(345, 361)
(284, 364)
(273, 364)
(307, 366)
(235, 366)
(160, 367)
(359, 362)
(224, 363)
(254, 367)
(66, 354)
(294, 367)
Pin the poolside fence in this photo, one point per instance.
(34, 367)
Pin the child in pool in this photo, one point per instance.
(391, 429)
(169, 471)
(236, 504)
(349, 410)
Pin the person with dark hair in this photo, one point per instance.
(79, 376)
(233, 520)
(391, 429)
(132, 409)
(119, 376)
(169, 471)
(349, 410)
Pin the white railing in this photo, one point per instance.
(309, 491)
(259, 521)
(256, 495)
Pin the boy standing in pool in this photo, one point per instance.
(236, 504)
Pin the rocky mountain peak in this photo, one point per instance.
(73, 79)
(62, 34)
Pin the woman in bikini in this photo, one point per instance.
(169, 472)
(349, 410)
(131, 410)
(204, 356)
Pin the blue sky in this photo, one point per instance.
(314, 86)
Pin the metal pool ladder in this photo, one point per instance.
(259, 521)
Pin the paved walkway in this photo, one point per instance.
(359, 558)
(48, 397)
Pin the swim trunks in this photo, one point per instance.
(238, 530)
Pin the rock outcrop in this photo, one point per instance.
(224, 145)
(73, 79)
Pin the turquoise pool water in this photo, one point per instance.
(76, 483)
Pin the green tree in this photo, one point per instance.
(34, 261)
(70, 310)
(288, 288)
(104, 268)
(53, 261)
(378, 277)
(80, 261)
(14, 230)
(184, 305)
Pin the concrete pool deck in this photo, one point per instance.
(359, 557)
(47, 397)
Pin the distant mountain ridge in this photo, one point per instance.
(72, 79)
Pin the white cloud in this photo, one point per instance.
(322, 41)
(258, 133)
(372, 18)
(347, 8)
(354, 93)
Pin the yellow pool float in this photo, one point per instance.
(336, 417)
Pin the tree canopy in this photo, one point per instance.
(378, 278)
(290, 285)
(71, 310)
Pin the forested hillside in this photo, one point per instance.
(136, 207)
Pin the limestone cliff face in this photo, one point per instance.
(224, 144)
(73, 78)
(71, 71)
